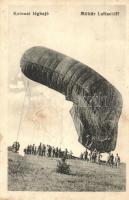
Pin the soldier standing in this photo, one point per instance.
(90, 156)
(27, 151)
(44, 150)
(33, 148)
(30, 148)
(108, 158)
(59, 153)
(86, 155)
(53, 151)
(111, 160)
(56, 152)
(117, 160)
(39, 149)
(49, 151)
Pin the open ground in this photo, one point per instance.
(35, 173)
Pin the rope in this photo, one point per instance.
(21, 115)
(22, 109)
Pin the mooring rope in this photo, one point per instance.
(22, 108)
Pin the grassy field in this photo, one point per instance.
(32, 173)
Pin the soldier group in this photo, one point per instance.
(95, 157)
(48, 151)
(92, 156)
(51, 151)
(111, 161)
(15, 147)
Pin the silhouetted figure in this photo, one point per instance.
(40, 149)
(49, 151)
(44, 150)
(94, 155)
(59, 153)
(111, 160)
(117, 160)
(33, 149)
(86, 155)
(53, 151)
(56, 152)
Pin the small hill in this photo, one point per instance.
(32, 173)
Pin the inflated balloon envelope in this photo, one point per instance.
(97, 104)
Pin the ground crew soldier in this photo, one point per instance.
(44, 150)
(112, 160)
(33, 149)
(56, 152)
(59, 153)
(90, 156)
(49, 151)
(86, 155)
(28, 149)
(53, 151)
(117, 160)
(39, 149)
(108, 158)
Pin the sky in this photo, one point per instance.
(98, 42)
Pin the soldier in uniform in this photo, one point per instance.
(33, 149)
(53, 151)
(117, 160)
(28, 149)
(56, 152)
(108, 158)
(49, 151)
(94, 155)
(112, 160)
(44, 150)
(39, 149)
(86, 155)
(90, 156)
(59, 153)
